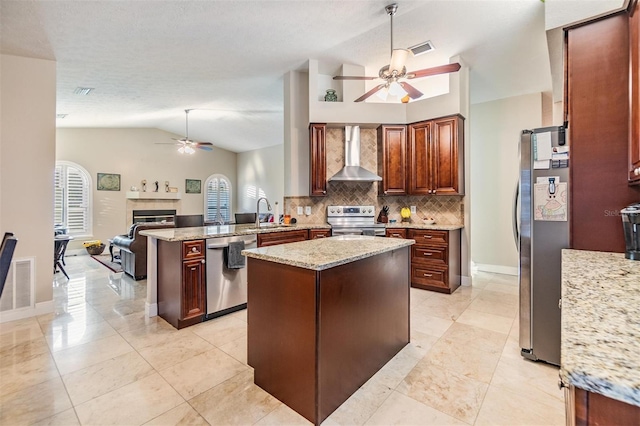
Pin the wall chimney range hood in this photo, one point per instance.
(352, 172)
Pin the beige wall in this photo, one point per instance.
(261, 170)
(27, 158)
(134, 154)
(495, 134)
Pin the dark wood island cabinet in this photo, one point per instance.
(318, 328)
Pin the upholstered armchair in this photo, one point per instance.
(133, 248)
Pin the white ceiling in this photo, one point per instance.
(150, 60)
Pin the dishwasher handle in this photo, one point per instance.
(223, 245)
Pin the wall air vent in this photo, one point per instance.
(83, 90)
(421, 48)
(61, 115)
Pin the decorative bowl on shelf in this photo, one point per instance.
(428, 221)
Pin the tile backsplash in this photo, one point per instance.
(446, 210)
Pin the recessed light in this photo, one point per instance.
(61, 115)
(83, 90)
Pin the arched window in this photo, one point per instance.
(217, 199)
(72, 207)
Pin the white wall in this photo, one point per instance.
(134, 154)
(27, 159)
(260, 171)
(296, 134)
(495, 134)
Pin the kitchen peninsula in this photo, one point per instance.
(600, 338)
(177, 268)
(324, 316)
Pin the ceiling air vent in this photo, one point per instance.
(421, 48)
(83, 90)
(61, 115)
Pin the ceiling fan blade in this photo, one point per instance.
(352, 77)
(203, 143)
(411, 91)
(442, 69)
(168, 143)
(369, 93)
(205, 147)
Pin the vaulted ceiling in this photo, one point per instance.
(150, 60)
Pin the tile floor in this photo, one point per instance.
(98, 360)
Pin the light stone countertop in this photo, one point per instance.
(600, 339)
(327, 253)
(204, 232)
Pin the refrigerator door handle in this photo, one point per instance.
(516, 228)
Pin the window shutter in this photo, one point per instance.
(218, 199)
(72, 199)
(58, 211)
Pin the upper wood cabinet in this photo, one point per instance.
(634, 132)
(424, 158)
(392, 160)
(318, 157)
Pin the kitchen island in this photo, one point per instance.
(324, 316)
(600, 337)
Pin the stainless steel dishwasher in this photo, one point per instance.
(226, 288)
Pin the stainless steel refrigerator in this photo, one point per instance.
(541, 227)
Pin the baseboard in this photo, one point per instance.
(18, 314)
(497, 269)
(150, 309)
(465, 280)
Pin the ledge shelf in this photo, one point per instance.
(137, 195)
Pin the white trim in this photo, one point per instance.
(497, 269)
(466, 281)
(17, 314)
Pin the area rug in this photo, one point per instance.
(105, 259)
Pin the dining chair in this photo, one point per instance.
(59, 249)
(6, 254)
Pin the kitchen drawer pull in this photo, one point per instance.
(428, 236)
(428, 254)
(320, 236)
(428, 275)
(395, 235)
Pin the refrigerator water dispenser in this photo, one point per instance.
(631, 225)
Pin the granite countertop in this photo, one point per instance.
(600, 339)
(203, 232)
(326, 253)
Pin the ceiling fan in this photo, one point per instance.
(396, 70)
(186, 145)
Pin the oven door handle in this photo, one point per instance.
(352, 231)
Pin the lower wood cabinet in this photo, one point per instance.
(395, 233)
(282, 237)
(182, 282)
(590, 408)
(435, 259)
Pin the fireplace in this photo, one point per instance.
(153, 216)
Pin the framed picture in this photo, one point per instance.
(108, 182)
(192, 186)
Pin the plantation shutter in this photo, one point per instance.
(77, 202)
(58, 211)
(218, 201)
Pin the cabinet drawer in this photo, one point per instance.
(430, 276)
(429, 236)
(273, 238)
(319, 233)
(396, 233)
(192, 249)
(436, 255)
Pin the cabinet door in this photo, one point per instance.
(193, 288)
(420, 173)
(283, 237)
(392, 160)
(446, 165)
(634, 137)
(318, 166)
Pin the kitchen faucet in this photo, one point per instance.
(258, 209)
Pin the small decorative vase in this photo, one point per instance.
(331, 96)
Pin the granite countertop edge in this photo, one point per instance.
(311, 254)
(599, 345)
(216, 231)
(434, 226)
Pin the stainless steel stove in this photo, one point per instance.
(354, 220)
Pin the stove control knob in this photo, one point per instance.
(368, 210)
(339, 210)
(332, 210)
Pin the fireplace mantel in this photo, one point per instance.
(137, 195)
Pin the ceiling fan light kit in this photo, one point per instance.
(186, 145)
(396, 70)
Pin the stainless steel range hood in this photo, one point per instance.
(352, 172)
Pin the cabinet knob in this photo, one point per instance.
(202, 261)
(324, 192)
(194, 250)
